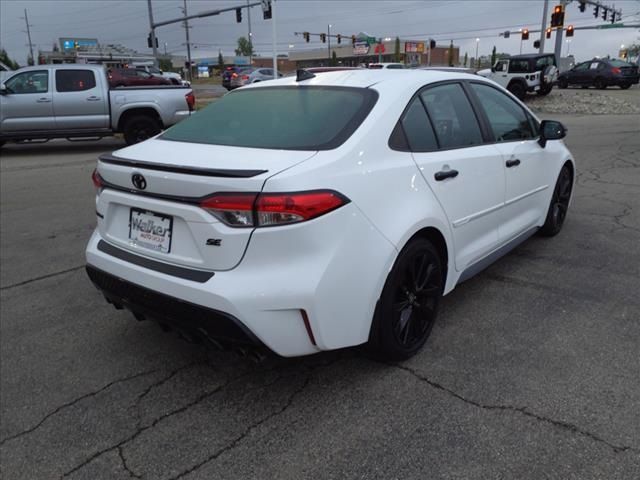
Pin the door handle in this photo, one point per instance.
(43, 100)
(513, 163)
(444, 174)
(93, 98)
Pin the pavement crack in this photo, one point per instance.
(43, 277)
(123, 460)
(75, 401)
(570, 427)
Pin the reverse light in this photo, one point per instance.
(271, 209)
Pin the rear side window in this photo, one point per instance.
(453, 118)
(507, 119)
(290, 118)
(519, 66)
(74, 80)
(417, 128)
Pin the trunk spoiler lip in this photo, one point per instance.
(163, 167)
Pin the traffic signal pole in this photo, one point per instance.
(153, 32)
(543, 29)
(559, 31)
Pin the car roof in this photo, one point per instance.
(528, 55)
(400, 79)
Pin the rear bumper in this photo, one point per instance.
(192, 320)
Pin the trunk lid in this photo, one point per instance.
(151, 195)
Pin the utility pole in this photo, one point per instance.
(329, 44)
(186, 29)
(273, 40)
(250, 34)
(153, 32)
(26, 19)
(543, 27)
(558, 48)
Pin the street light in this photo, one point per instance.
(329, 42)
(477, 59)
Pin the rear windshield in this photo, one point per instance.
(289, 118)
(619, 63)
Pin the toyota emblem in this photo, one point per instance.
(138, 181)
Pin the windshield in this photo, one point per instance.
(619, 63)
(289, 118)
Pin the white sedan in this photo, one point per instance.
(318, 212)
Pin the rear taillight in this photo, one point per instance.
(271, 209)
(616, 70)
(245, 77)
(191, 101)
(234, 75)
(97, 180)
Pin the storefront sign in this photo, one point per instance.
(361, 48)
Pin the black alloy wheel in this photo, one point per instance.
(625, 85)
(409, 302)
(600, 83)
(559, 203)
(563, 83)
(139, 128)
(518, 90)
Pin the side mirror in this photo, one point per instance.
(551, 130)
(3, 89)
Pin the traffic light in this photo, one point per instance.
(570, 31)
(525, 34)
(507, 34)
(595, 11)
(238, 15)
(536, 44)
(305, 35)
(339, 37)
(353, 40)
(266, 9)
(582, 6)
(557, 17)
(149, 44)
(432, 44)
(604, 14)
(323, 37)
(548, 33)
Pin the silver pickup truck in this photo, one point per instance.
(73, 101)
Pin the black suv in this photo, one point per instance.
(600, 73)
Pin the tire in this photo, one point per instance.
(559, 205)
(545, 90)
(600, 83)
(517, 89)
(624, 86)
(138, 128)
(563, 83)
(407, 309)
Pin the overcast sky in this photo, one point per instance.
(127, 22)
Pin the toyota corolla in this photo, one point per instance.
(318, 212)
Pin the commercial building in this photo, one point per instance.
(88, 50)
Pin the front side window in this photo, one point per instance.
(289, 118)
(34, 81)
(74, 80)
(501, 66)
(507, 119)
(453, 118)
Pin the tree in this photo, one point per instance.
(451, 54)
(334, 59)
(493, 56)
(4, 58)
(633, 50)
(30, 60)
(165, 64)
(220, 61)
(466, 58)
(245, 47)
(396, 52)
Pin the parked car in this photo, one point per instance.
(74, 101)
(174, 78)
(378, 66)
(600, 73)
(310, 215)
(5, 71)
(329, 69)
(228, 73)
(132, 77)
(251, 75)
(524, 73)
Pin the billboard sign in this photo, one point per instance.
(361, 48)
(413, 47)
(70, 43)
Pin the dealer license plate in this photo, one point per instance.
(150, 230)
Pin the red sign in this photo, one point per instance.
(379, 48)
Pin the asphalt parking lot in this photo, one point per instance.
(531, 372)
